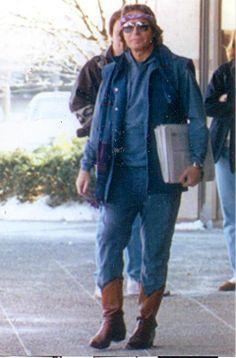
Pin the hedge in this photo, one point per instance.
(50, 171)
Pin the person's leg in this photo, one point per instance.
(117, 218)
(119, 214)
(99, 229)
(133, 258)
(158, 217)
(115, 235)
(226, 188)
(133, 255)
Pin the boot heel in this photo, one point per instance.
(143, 335)
(119, 329)
(118, 338)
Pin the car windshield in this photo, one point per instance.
(50, 106)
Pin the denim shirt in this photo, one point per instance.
(136, 119)
(174, 97)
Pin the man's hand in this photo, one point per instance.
(82, 182)
(191, 176)
(223, 98)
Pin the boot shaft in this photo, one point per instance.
(113, 326)
(149, 305)
(144, 333)
(112, 298)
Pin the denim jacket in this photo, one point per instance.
(174, 97)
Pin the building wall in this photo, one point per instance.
(180, 21)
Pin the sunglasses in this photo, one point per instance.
(140, 26)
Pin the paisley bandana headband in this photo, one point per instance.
(128, 17)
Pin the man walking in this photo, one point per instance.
(146, 87)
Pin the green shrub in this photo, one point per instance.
(50, 171)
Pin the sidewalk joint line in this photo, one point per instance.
(203, 307)
(26, 350)
(76, 281)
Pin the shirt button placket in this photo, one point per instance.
(116, 90)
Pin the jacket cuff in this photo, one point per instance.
(86, 166)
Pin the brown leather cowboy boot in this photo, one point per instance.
(113, 326)
(144, 333)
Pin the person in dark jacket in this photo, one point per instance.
(147, 86)
(82, 101)
(84, 92)
(220, 104)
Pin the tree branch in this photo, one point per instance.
(103, 18)
(83, 15)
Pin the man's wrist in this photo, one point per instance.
(197, 165)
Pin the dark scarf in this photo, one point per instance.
(110, 137)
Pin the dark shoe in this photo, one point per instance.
(143, 335)
(166, 293)
(227, 286)
(112, 329)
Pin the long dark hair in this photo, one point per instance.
(114, 17)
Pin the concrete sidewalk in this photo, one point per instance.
(47, 306)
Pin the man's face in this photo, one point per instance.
(138, 33)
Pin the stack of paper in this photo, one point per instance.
(174, 154)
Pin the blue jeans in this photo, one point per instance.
(158, 212)
(132, 251)
(226, 188)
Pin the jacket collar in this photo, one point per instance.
(163, 58)
(163, 61)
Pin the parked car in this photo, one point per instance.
(53, 105)
(47, 119)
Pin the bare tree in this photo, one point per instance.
(73, 41)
